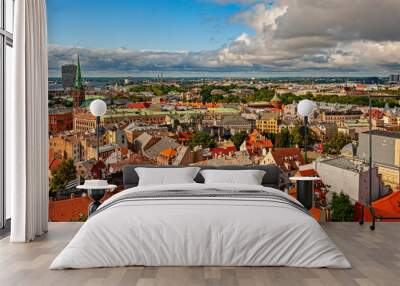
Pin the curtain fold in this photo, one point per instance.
(27, 125)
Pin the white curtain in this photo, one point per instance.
(26, 124)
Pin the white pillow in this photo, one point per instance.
(247, 177)
(166, 176)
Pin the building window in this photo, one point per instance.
(6, 44)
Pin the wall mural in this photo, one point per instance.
(216, 88)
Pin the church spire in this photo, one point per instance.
(78, 81)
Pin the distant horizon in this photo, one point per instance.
(225, 77)
(221, 75)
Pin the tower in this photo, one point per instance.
(68, 75)
(276, 101)
(78, 91)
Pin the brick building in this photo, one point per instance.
(60, 120)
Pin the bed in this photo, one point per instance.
(197, 224)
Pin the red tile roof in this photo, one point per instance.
(263, 144)
(124, 150)
(168, 152)
(54, 164)
(139, 105)
(224, 151)
(70, 209)
(387, 206)
(184, 136)
(308, 173)
(287, 158)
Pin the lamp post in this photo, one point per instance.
(98, 108)
(372, 210)
(96, 189)
(305, 109)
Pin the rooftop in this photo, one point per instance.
(391, 134)
(344, 163)
(162, 144)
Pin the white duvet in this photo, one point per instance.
(202, 232)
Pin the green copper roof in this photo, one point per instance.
(276, 98)
(78, 81)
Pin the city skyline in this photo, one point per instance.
(226, 38)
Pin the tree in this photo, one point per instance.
(342, 209)
(62, 175)
(337, 142)
(203, 139)
(298, 136)
(284, 138)
(238, 139)
(270, 136)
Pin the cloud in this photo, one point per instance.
(294, 34)
(289, 35)
(123, 59)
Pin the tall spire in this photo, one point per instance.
(78, 81)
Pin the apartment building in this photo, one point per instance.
(268, 123)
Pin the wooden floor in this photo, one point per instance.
(375, 257)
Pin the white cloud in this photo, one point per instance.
(301, 34)
(288, 35)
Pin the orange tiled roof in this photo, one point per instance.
(139, 105)
(124, 150)
(308, 173)
(387, 206)
(54, 164)
(51, 155)
(168, 152)
(184, 135)
(71, 209)
(226, 150)
(263, 144)
(287, 156)
(316, 213)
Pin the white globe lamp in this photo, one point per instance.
(98, 107)
(305, 107)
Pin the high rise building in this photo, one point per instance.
(394, 78)
(68, 73)
(78, 90)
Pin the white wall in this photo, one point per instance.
(339, 180)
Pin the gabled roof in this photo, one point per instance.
(234, 120)
(143, 139)
(162, 144)
(288, 159)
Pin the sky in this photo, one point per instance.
(223, 37)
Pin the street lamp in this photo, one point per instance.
(305, 109)
(96, 189)
(98, 108)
